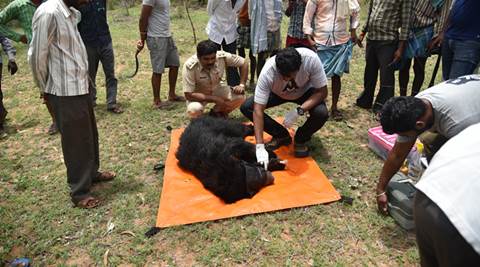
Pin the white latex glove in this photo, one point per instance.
(262, 155)
(290, 118)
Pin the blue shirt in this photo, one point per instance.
(464, 20)
(94, 27)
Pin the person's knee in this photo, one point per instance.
(194, 109)
(320, 112)
(247, 107)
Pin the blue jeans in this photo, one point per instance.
(105, 55)
(459, 57)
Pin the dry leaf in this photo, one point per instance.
(105, 258)
(128, 233)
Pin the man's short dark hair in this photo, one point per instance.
(206, 47)
(400, 114)
(288, 60)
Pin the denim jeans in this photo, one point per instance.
(105, 55)
(318, 117)
(459, 57)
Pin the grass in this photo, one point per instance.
(38, 221)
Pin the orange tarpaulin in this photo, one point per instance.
(184, 200)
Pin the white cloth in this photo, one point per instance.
(310, 74)
(159, 20)
(57, 55)
(455, 103)
(326, 20)
(273, 24)
(223, 20)
(452, 181)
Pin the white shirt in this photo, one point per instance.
(310, 75)
(272, 23)
(57, 55)
(326, 20)
(223, 20)
(452, 181)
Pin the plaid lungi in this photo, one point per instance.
(417, 44)
(335, 58)
(243, 40)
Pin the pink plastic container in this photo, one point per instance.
(380, 142)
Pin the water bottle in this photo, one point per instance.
(415, 168)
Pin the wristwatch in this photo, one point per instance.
(300, 111)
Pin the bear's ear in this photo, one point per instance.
(255, 179)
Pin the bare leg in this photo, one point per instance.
(156, 83)
(172, 83)
(253, 66)
(404, 77)
(336, 88)
(419, 70)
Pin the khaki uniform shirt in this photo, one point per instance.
(199, 80)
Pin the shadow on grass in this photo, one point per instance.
(318, 151)
(396, 238)
(109, 190)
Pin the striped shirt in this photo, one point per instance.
(7, 48)
(386, 16)
(425, 14)
(326, 20)
(21, 10)
(57, 55)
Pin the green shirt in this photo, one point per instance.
(21, 10)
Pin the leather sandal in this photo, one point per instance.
(104, 177)
(88, 203)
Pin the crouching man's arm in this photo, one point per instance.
(394, 161)
(319, 95)
(201, 97)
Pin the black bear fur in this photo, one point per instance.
(214, 150)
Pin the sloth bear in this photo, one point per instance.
(214, 150)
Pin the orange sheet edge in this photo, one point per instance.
(185, 201)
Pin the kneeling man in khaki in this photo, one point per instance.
(203, 81)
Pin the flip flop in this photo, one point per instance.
(161, 105)
(104, 177)
(336, 115)
(177, 99)
(116, 110)
(88, 203)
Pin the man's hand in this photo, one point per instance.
(24, 39)
(311, 42)
(12, 67)
(355, 39)
(262, 155)
(382, 202)
(435, 42)
(239, 89)
(360, 39)
(140, 45)
(290, 118)
(397, 56)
